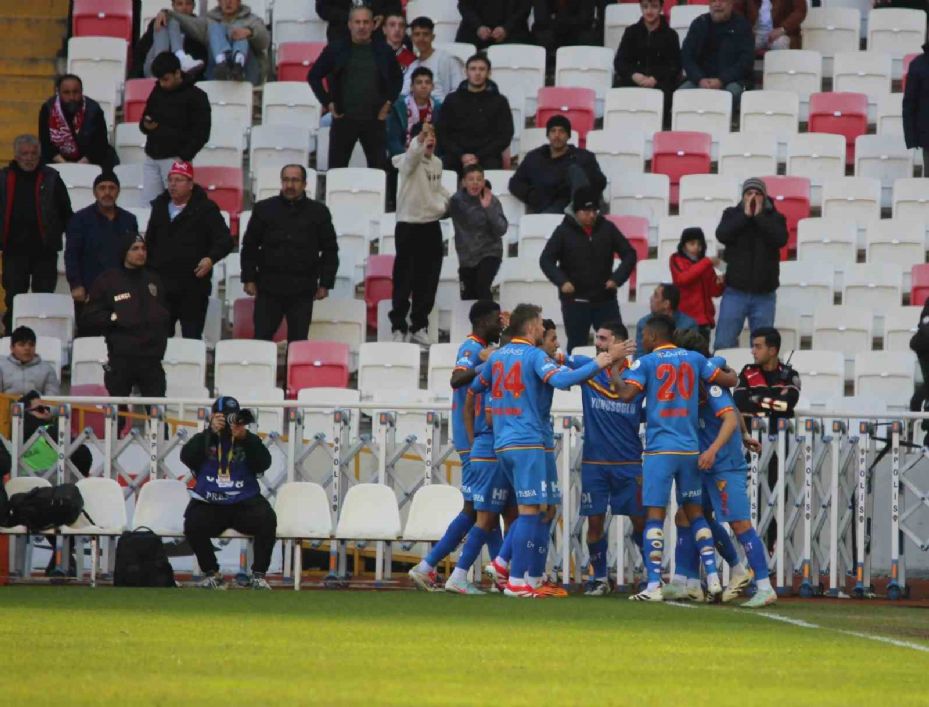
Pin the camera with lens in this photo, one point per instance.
(240, 417)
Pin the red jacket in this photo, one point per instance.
(698, 286)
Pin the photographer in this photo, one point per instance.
(226, 461)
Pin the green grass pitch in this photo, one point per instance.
(78, 646)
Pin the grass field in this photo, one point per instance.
(166, 647)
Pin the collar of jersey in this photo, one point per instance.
(520, 340)
(475, 337)
(663, 347)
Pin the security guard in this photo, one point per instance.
(767, 387)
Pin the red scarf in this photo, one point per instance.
(63, 134)
(415, 114)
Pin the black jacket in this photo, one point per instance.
(335, 12)
(91, 140)
(916, 102)
(732, 60)
(477, 122)
(752, 247)
(512, 15)
(53, 207)
(543, 184)
(176, 247)
(128, 307)
(587, 261)
(755, 385)
(656, 54)
(183, 118)
(331, 65)
(290, 247)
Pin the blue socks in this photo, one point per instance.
(723, 542)
(686, 561)
(704, 539)
(457, 529)
(494, 541)
(524, 539)
(598, 557)
(506, 549)
(654, 550)
(755, 553)
(540, 554)
(472, 548)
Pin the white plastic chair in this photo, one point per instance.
(827, 240)
(634, 108)
(519, 70)
(185, 362)
(897, 32)
(369, 512)
(303, 513)
(320, 420)
(104, 515)
(387, 366)
(339, 319)
(47, 315)
(442, 359)
(534, 232)
(585, 67)
(773, 112)
(817, 156)
(805, 286)
(897, 241)
(822, 373)
(224, 148)
(649, 274)
(682, 16)
(862, 72)
(748, 154)
(645, 195)
(706, 195)
(296, 21)
(884, 157)
(522, 281)
(889, 119)
(798, 71)
(829, 31)
(844, 328)
(702, 110)
(79, 180)
(130, 186)
(900, 324)
(129, 143)
(353, 194)
(617, 18)
(461, 324)
(911, 198)
(278, 145)
(888, 376)
(290, 103)
(618, 152)
(513, 208)
(160, 507)
(444, 13)
(102, 57)
(736, 359)
(873, 285)
(433, 507)
(245, 360)
(88, 356)
(855, 199)
(231, 102)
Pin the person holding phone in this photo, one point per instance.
(753, 234)
(480, 225)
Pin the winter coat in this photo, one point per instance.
(753, 247)
(656, 54)
(397, 123)
(697, 284)
(479, 122)
(331, 65)
(735, 57)
(478, 231)
(916, 102)
(542, 183)
(93, 245)
(512, 15)
(53, 206)
(184, 119)
(92, 139)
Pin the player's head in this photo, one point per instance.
(610, 333)
(659, 330)
(665, 299)
(485, 320)
(692, 340)
(766, 345)
(526, 323)
(549, 337)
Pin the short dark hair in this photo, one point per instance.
(22, 334)
(423, 23)
(422, 71)
(297, 166)
(617, 328)
(672, 294)
(68, 77)
(661, 325)
(481, 309)
(164, 64)
(394, 13)
(521, 315)
(473, 167)
(548, 325)
(692, 340)
(772, 337)
(480, 56)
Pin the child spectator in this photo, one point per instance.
(696, 278)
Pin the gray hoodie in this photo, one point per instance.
(19, 378)
(478, 231)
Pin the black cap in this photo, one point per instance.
(126, 241)
(106, 177)
(586, 198)
(226, 404)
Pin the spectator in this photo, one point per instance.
(38, 414)
(649, 54)
(563, 23)
(919, 345)
(226, 461)
(549, 175)
(24, 370)
(164, 34)
(127, 305)
(36, 209)
(767, 387)
(695, 276)
(94, 239)
(421, 202)
(753, 234)
(916, 105)
(476, 124)
(238, 42)
(186, 237)
(486, 22)
(719, 51)
(72, 127)
(578, 259)
(480, 225)
(176, 121)
(358, 80)
(290, 257)
(417, 107)
(336, 13)
(447, 71)
(666, 300)
(395, 36)
(776, 22)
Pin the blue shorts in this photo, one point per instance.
(490, 491)
(552, 487)
(659, 470)
(727, 491)
(614, 486)
(467, 480)
(525, 470)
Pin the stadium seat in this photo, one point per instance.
(442, 360)
(231, 102)
(369, 512)
(639, 109)
(887, 376)
(104, 515)
(884, 157)
(844, 114)
(88, 356)
(645, 195)
(682, 16)
(791, 196)
(736, 359)
(447, 293)
(101, 57)
(185, 363)
(856, 199)
(817, 156)
(706, 195)
(899, 326)
(160, 507)
(671, 227)
(135, 95)
(407, 422)
(316, 364)
(907, 60)
(534, 232)
(513, 208)
(338, 319)
(876, 286)
(585, 67)
(223, 149)
(387, 366)
(47, 315)
(827, 240)
(244, 360)
(863, 72)
(577, 104)
(296, 21)
(129, 143)
(805, 286)
(844, 328)
(897, 32)
(318, 420)
(130, 186)
(911, 198)
(889, 119)
(433, 507)
(290, 103)
(294, 59)
(102, 18)
(919, 284)
(278, 145)
(303, 513)
(460, 50)
(774, 112)
(142, 216)
(232, 279)
(618, 152)
(378, 284)
(266, 182)
(791, 327)
(354, 194)
(702, 110)
(650, 274)
(519, 71)
(243, 321)
(635, 229)
(461, 324)
(444, 13)
(748, 154)
(522, 281)
(223, 185)
(617, 18)
(49, 348)
(896, 241)
(79, 180)
(829, 31)
(822, 373)
(798, 71)
(676, 154)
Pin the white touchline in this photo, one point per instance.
(785, 619)
(680, 604)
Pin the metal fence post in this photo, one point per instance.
(897, 585)
(781, 500)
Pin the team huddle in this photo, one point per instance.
(503, 434)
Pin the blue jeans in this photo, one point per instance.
(220, 44)
(736, 305)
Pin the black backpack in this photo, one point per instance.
(47, 507)
(141, 561)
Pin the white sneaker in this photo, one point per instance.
(421, 337)
(737, 584)
(654, 595)
(399, 337)
(714, 589)
(259, 582)
(188, 63)
(213, 581)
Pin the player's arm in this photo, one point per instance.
(466, 370)
(730, 424)
(749, 442)
(481, 380)
(562, 377)
(468, 416)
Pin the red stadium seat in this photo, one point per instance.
(840, 113)
(102, 18)
(635, 229)
(578, 104)
(243, 321)
(791, 196)
(295, 59)
(135, 95)
(224, 186)
(316, 364)
(907, 60)
(919, 290)
(678, 153)
(85, 417)
(379, 284)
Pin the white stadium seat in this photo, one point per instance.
(829, 31)
(513, 208)
(827, 240)
(822, 373)
(104, 515)
(160, 507)
(534, 232)
(645, 195)
(290, 103)
(518, 70)
(748, 154)
(618, 152)
(863, 72)
(736, 359)
(130, 186)
(224, 148)
(798, 71)
(897, 241)
(461, 324)
(884, 157)
(130, 143)
(47, 315)
(102, 57)
(773, 112)
(444, 13)
(79, 180)
(855, 199)
(245, 360)
(873, 285)
(585, 67)
(88, 356)
(887, 376)
(386, 365)
(340, 319)
(845, 328)
(231, 102)
(889, 119)
(522, 281)
(805, 286)
(911, 198)
(185, 363)
(648, 275)
(296, 21)
(354, 194)
(369, 512)
(702, 110)
(432, 509)
(817, 156)
(898, 32)
(278, 145)
(303, 513)
(706, 195)
(682, 16)
(617, 18)
(640, 109)
(900, 324)
(442, 359)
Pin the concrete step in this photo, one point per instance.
(34, 36)
(28, 67)
(26, 88)
(34, 8)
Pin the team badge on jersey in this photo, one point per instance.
(715, 391)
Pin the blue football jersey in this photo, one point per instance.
(483, 445)
(468, 358)
(713, 405)
(670, 378)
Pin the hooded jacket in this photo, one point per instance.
(53, 207)
(542, 182)
(478, 231)
(198, 28)
(753, 247)
(421, 197)
(916, 102)
(184, 120)
(586, 261)
(479, 122)
(18, 378)
(696, 281)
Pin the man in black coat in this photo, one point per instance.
(487, 22)
(578, 259)
(290, 257)
(362, 81)
(549, 175)
(564, 23)
(335, 12)
(475, 124)
(916, 105)
(719, 51)
(127, 305)
(186, 237)
(649, 54)
(72, 127)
